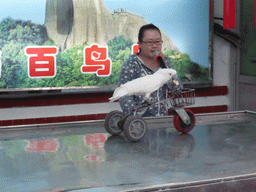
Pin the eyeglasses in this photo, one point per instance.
(150, 43)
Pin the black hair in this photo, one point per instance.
(146, 27)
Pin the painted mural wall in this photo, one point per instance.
(81, 43)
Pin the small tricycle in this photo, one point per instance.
(135, 127)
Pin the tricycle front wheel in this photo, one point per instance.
(181, 126)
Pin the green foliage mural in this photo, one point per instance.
(15, 35)
(186, 69)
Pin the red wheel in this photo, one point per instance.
(181, 126)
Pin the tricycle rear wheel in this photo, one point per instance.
(135, 128)
(112, 124)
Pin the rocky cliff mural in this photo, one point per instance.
(73, 22)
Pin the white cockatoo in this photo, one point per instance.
(144, 85)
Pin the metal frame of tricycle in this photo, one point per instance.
(134, 125)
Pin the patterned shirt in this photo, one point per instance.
(134, 68)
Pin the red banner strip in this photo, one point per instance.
(229, 14)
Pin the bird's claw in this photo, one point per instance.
(148, 101)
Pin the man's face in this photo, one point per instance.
(152, 41)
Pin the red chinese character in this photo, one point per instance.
(45, 145)
(93, 158)
(96, 60)
(95, 141)
(41, 61)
